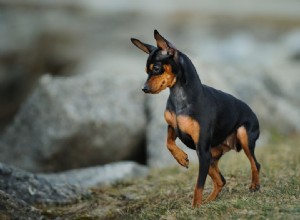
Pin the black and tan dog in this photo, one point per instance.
(204, 119)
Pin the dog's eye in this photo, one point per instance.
(156, 69)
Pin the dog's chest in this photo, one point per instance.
(186, 128)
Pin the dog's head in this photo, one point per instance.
(161, 65)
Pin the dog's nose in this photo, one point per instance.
(146, 89)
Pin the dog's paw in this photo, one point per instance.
(182, 158)
(196, 203)
(254, 187)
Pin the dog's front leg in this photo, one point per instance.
(204, 155)
(178, 154)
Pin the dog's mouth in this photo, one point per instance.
(153, 91)
(156, 92)
(159, 89)
(155, 88)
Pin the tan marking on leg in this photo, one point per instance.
(197, 200)
(243, 138)
(230, 143)
(178, 154)
(218, 184)
(189, 126)
(216, 152)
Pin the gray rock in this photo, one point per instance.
(59, 188)
(34, 189)
(12, 208)
(97, 176)
(291, 41)
(71, 122)
(53, 45)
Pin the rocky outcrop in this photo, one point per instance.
(33, 189)
(98, 176)
(21, 190)
(63, 187)
(35, 40)
(13, 208)
(75, 122)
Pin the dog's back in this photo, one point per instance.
(230, 114)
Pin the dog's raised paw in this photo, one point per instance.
(182, 159)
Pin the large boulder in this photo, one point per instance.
(99, 175)
(33, 189)
(35, 38)
(63, 187)
(78, 121)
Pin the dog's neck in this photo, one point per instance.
(188, 84)
(188, 70)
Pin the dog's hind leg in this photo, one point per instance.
(247, 140)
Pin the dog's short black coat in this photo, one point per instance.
(218, 110)
(203, 118)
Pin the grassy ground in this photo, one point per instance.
(167, 193)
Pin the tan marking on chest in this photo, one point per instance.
(170, 118)
(189, 126)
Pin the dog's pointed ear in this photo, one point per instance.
(144, 47)
(163, 44)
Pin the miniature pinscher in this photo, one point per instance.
(205, 119)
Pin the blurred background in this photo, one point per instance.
(70, 79)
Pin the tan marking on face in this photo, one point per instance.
(151, 66)
(189, 126)
(160, 82)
